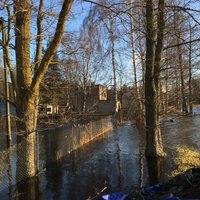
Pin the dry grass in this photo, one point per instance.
(186, 158)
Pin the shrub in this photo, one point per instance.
(186, 158)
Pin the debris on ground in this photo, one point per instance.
(185, 186)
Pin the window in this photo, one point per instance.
(103, 93)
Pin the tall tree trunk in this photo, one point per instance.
(138, 98)
(177, 20)
(114, 66)
(155, 170)
(27, 84)
(154, 146)
(7, 93)
(166, 92)
(158, 54)
(190, 73)
(25, 106)
(85, 88)
(183, 98)
(26, 149)
(141, 47)
(177, 91)
(84, 98)
(142, 57)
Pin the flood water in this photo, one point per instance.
(108, 162)
(115, 161)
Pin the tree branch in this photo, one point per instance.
(39, 36)
(183, 43)
(183, 8)
(160, 40)
(7, 54)
(112, 7)
(186, 10)
(39, 74)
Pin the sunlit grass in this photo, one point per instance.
(186, 158)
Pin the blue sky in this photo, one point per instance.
(78, 12)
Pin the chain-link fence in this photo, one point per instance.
(50, 145)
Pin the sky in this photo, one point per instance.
(78, 12)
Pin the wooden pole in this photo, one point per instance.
(7, 95)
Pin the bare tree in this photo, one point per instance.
(26, 83)
(139, 106)
(154, 48)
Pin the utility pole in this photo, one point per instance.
(7, 94)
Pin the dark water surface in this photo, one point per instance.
(114, 161)
(110, 162)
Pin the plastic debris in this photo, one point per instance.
(115, 196)
(152, 189)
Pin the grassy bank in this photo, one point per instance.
(185, 159)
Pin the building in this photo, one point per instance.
(98, 100)
(48, 109)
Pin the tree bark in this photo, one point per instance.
(114, 66)
(54, 44)
(158, 54)
(27, 83)
(183, 97)
(138, 98)
(178, 29)
(190, 74)
(7, 93)
(154, 146)
(166, 92)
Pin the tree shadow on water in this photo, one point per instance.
(29, 189)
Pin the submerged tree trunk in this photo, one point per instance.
(24, 105)
(154, 146)
(26, 129)
(27, 84)
(158, 55)
(155, 170)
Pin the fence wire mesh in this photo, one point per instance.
(49, 146)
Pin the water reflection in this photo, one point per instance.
(26, 189)
(108, 164)
(114, 162)
(155, 170)
(10, 175)
(120, 176)
(29, 188)
(54, 175)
